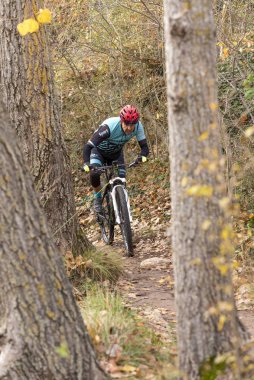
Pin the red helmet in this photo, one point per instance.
(129, 115)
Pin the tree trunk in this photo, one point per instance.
(28, 89)
(42, 334)
(207, 321)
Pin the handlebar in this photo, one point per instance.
(103, 169)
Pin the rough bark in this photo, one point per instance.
(42, 335)
(201, 256)
(28, 91)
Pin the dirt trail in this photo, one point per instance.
(150, 289)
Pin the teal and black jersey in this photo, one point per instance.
(115, 138)
(110, 138)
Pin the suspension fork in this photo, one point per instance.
(113, 195)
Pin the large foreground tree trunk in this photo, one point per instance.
(206, 317)
(42, 333)
(28, 90)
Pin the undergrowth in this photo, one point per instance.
(96, 264)
(124, 342)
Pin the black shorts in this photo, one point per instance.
(98, 159)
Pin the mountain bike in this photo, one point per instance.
(116, 206)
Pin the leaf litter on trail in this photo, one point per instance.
(150, 205)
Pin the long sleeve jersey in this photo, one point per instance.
(110, 138)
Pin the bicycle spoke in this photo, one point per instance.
(106, 220)
(124, 220)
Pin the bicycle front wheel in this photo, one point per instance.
(125, 224)
(107, 219)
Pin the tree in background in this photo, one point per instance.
(110, 53)
(202, 237)
(236, 93)
(28, 89)
(42, 332)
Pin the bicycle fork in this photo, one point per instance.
(113, 194)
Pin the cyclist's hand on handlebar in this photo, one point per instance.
(140, 159)
(86, 168)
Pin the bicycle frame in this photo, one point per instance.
(116, 209)
(113, 182)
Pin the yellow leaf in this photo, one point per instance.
(203, 136)
(225, 306)
(204, 163)
(235, 264)
(184, 181)
(186, 6)
(221, 322)
(63, 350)
(213, 166)
(218, 260)
(221, 265)
(128, 368)
(224, 203)
(206, 224)
(215, 153)
(32, 25)
(225, 53)
(200, 191)
(212, 311)
(196, 261)
(227, 233)
(236, 167)
(44, 16)
(23, 29)
(213, 106)
(223, 269)
(249, 132)
(29, 25)
(164, 280)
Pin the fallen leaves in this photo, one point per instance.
(77, 264)
(168, 281)
(118, 371)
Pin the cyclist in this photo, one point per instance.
(106, 145)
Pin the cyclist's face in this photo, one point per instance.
(128, 128)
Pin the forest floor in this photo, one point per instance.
(147, 283)
(145, 286)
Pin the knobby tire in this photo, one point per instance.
(124, 220)
(107, 221)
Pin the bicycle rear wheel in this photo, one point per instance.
(124, 220)
(107, 219)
